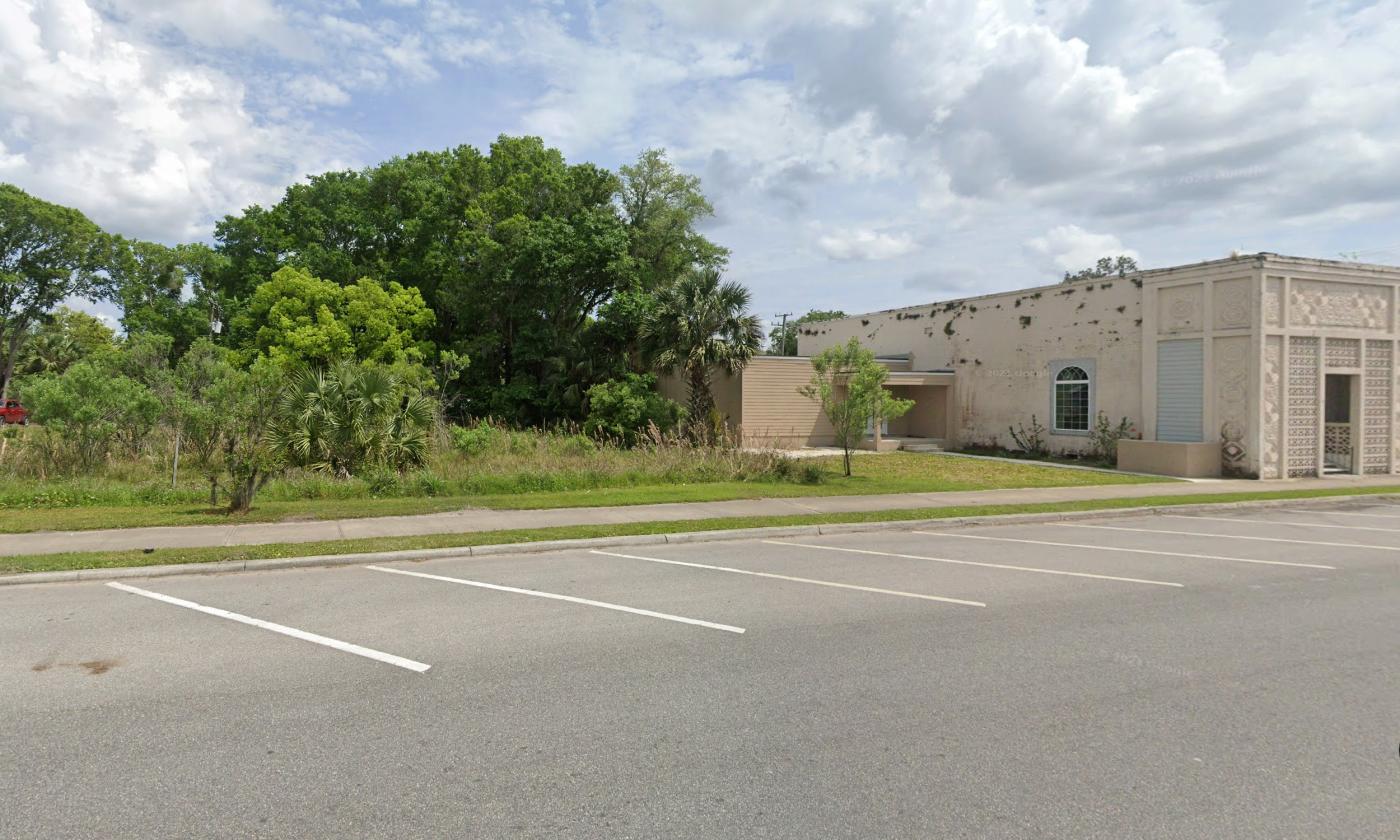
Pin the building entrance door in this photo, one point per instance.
(1339, 430)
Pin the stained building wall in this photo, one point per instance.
(1004, 347)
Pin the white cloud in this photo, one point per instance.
(832, 134)
(218, 23)
(313, 90)
(865, 244)
(411, 56)
(1071, 248)
(10, 161)
(142, 141)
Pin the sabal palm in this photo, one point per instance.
(339, 419)
(51, 352)
(700, 323)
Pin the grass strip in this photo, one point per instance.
(979, 477)
(113, 559)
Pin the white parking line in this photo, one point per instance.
(368, 653)
(796, 579)
(976, 563)
(1226, 536)
(1281, 522)
(570, 598)
(1129, 550)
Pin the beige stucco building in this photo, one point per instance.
(1256, 365)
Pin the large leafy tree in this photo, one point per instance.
(47, 253)
(166, 291)
(299, 320)
(540, 270)
(544, 249)
(700, 324)
(663, 206)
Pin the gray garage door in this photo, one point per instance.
(1180, 390)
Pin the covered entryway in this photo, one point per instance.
(1340, 432)
(925, 426)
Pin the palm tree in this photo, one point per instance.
(50, 352)
(340, 419)
(699, 324)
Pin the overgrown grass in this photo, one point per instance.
(899, 472)
(498, 462)
(115, 559)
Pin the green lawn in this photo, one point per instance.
(897, 472)
(114, 559)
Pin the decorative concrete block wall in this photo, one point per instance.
(1378, 407)
(1319, 318)
(1304, 406)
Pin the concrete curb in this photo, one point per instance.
(224, 566)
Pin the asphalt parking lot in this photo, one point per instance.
(1225, 675)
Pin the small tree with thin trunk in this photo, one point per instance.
(850, 385)
(248, 449)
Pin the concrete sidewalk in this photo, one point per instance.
(467, 521)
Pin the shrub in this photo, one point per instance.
(1103, 440)
(810, 473)
(624, 409)
(350, 417)
(86, 410)
(426, 483)
(475, 440)
(381, 481)
(1032, 440)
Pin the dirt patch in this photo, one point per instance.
(92, 666)
(98, 666)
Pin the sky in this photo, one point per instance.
(860, 155)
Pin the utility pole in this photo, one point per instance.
(782, 331)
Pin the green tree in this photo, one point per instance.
(165, 291)
(249, 454)
(199, 415)
(47, 253)
(624, 409)
(783, 341)
(700, 324)
(662, 207)
(63, 338)
(540, 270)
(850, 385)
(144, 358)
(252, 245)
(297, 319)
(87, 410)
(545, 249)
(1119, 266)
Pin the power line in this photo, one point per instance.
(1357, 255)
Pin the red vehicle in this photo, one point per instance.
(13, 412)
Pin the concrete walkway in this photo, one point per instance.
(477, 519)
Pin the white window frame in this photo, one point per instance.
(1056, 367)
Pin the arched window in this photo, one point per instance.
(1071, 398)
